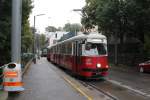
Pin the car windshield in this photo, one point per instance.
(94, 49)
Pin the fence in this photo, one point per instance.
(127, 54)
(1, 76)
(26, 57)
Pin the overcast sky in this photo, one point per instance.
(58, 13)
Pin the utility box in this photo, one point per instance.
(12, 80)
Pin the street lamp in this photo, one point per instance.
(34, 49)
(80, 10)
(77, 10)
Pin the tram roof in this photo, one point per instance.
(83, 36)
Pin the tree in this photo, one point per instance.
(72, 27)
(124, 17)
(67, 27)
(51, 29)
(120, 18)
(27, 35)
(27, 38)
(88, 14)
(5, 25)
(5, 30)
(42, 40)
(59, 29)
(147, 45)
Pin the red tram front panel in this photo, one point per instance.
(93, 66)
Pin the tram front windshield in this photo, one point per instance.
(93, 49)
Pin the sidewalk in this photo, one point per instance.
(3, 95)
(43, 83)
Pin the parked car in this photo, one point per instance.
(144, 67)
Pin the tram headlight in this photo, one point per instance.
(98, 65)
(107, 66)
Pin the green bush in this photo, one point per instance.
(25, 57)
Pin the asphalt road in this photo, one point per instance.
(132, 79)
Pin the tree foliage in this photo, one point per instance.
(42, 40)
(51, 29)
(124, 17)
(72, 27)
(27, 35)
(5, 28)
(27, 38)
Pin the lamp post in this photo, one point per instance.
(77, 10)
(82, 11)
(34, 38)
(16, 31)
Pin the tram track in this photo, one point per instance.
(114, 91)
(100, 90)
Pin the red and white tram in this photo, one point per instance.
(84, 55)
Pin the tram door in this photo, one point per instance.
(76, 56)
(75, 65)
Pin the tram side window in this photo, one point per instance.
(80, 50)
(63, 49)
(54, 50)
(69, 48)
(50, 50)
(58, 49)
(65, 52)
(74, 48)
(66, 49)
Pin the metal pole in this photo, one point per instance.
(34, 35)
(16, 31)
(38, 45)
(35, 42)
(116, 49)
